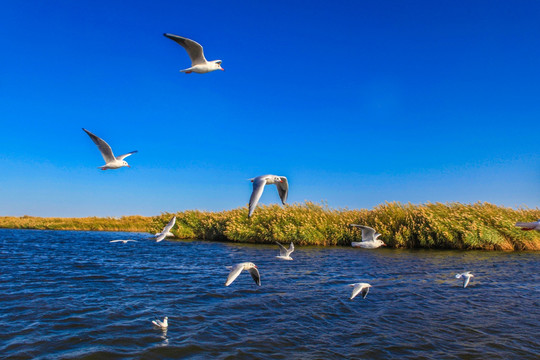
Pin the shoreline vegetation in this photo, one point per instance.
(480, 226)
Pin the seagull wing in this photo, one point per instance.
(236, 270)
(255, 275)
(282, 250)
(368, 234)
(355, 290)
(283, 189)
(258, 188)
(193, 48)
(161, 236)
(527, 225)
(103, 147)
(122, 157)
(364, 292)
(115, 240)
(169, 226)
(291, 249)
(466, 280)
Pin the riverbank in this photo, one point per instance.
(434, 226)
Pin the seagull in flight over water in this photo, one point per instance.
(527, 226)
(369, 238)
(284, 253)
(123, 241)
(466, 277)
(111, 162)
(166, 230)
(360, 288)
(237, 269)
(199, 64)
(258, 187)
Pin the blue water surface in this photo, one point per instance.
(75, 295)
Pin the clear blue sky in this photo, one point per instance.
(356, 102)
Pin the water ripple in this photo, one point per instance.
(74, 295)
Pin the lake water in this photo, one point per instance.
(75, 295)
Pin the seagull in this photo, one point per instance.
(111, 162)
(123, 241)
(161, 324)
(258, 186)
(535, 225)
(360, 288)
(166, 230)
(237, 269)
(466, 277)
(369, 238)
(199, 64)
(284, 253)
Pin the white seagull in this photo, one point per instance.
(360, 288)
(284, 253)
(466, 277)
(237, 269)
(161, 324)
(111, 162)
(123, 241)
(369, 238)
(195, 51)
(166, 230)
(527, 226)
(258, 186)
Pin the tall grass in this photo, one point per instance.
(125, 223)
(441, 226)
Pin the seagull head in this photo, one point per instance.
(124, 163)
(217, 64)
(380, 242)
(278, 179)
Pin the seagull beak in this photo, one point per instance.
(128, 166)
(222, 69)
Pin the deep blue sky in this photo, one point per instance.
(356, 102)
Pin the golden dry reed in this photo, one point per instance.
(434, 226)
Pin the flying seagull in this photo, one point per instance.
(166, 230)
(161, 324)
(111, 162)
(526, 226)
(369, 238)
(258, 186)
(123, 241)
(195, 51)
(237, 269)
(360, 288)
(466, 277)
(284, 253)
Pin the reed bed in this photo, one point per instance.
(432, 226)
(124, 223)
